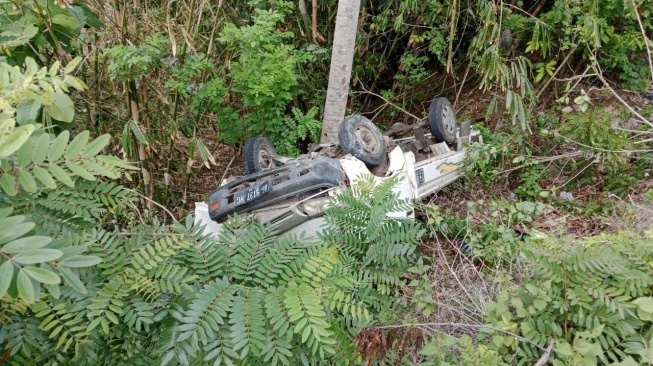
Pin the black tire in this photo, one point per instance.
(254, 155)
(442, 119)
(359, 137)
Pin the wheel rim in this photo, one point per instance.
(264, 158)
(368, 139)
(448, 119)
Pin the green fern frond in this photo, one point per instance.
(344, 303)
(306, 313)
(44, 161)
(344, 346)
(274, 262)
(138, 314)
(150, 256)
(12, 307)
(107, 305)
(297, 263)
(220, 351)
(251, 248)
(22, 337)
(112, 251)
(318, 267)
(172, 278)
(276, 351)
(247, 325)
(64, 322)
(206, 257)
(147, 288)
(205, 314)
(277, 314)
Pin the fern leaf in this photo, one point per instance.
(318, 267)
(277, 314)
(303, 306)
(205, 314)
(272, 265)
(255, 242)
(64, 322)
(276, 351)
(247, 326)
(206, 258)
(107, 305)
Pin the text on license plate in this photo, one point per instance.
(249, 194)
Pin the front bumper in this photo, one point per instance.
(304, 176)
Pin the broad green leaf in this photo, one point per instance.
(31, 66)
(645, 303)
(37, 256)
(66, 21)
(140, 137)
(6, 274)
(54, 290)
(27, 111)
(58, 146)
(42, 275)
(45, 177)
(75, 82)
(27, 181)
(88, 16)
(77, 144)
(62, 108)
(24, 155)
(8, 184)
(11, 232)
(61, 175)
(27, 243)
(80, 261)
(72, 65)
(77, 169)
(54, 69)
(4, 212)
(25, 286)
(72, 280)
(95, 146)
(15, 140)
(40, 149)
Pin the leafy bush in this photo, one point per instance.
(263, 79)
(594, 133)
(591, 298)
(174, 295)
(39, 243)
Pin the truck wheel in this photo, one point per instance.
(442, 119)
(256, 155)
(359, 137)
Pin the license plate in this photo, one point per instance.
(249, 194)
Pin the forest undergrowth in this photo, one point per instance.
(115, 117)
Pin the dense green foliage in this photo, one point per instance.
(591, 297)
(88, 275)
(174, 295)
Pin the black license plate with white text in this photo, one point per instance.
(249, 194)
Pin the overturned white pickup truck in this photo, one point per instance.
(293, 193)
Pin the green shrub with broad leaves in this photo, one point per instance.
(42, 195)
(173, 295)
(592, 298)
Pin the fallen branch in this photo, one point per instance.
(545, 356)
(599, 74)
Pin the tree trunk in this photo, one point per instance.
(342, 57)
